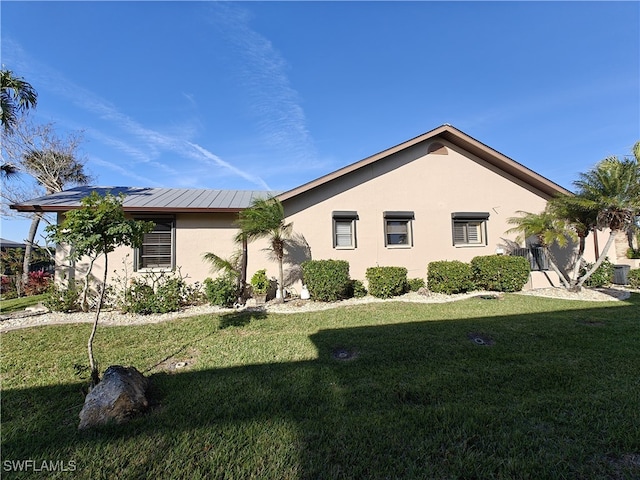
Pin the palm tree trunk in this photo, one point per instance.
(601, 258)
(33, 229)
(243, 269)
(281, 280)
(95, 376)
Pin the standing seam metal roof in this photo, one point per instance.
(140, 199)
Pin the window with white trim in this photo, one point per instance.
(158, 246)
(469, 228)
(398, 229)
(344, 229)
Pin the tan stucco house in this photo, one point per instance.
(440, 196)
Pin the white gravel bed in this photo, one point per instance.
(109, 318)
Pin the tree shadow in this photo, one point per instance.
(242, 317)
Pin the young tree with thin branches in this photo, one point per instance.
(97, 228)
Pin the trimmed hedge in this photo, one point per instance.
(500, 273)
(633, 278)
(327, 280)
(386, 282)
(449, 276)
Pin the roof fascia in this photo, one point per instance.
(456, 137)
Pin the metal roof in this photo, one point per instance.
(146, 199)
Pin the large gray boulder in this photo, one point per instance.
(119, 396)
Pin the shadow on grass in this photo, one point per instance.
(242, 318)
(548, 399)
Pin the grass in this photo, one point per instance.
(15, 304)
(555, 396)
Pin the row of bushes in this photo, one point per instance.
(328, 280)
(158, 293)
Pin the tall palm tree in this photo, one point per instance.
(548, 229)
(16, 96)
(265, 219)
(611, 188)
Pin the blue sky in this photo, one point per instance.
(270, 95)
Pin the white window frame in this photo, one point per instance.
(402, 217)
(344, 218)
(139, 263)
(461, 229)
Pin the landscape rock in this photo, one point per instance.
(119, 396)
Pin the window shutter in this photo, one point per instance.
(473, 232)
(459, 234)
(343, 233)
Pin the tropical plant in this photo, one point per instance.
(95, 229)
(265, 219)
(17, 96)
(260, 282)
(231, 268)
(548, 229)
(607, 197)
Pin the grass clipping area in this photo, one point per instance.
(523, 387)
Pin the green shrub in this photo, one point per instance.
(601, 277)
(449, 276)
(62, 298)
(260, 283)
(222, 291)
(358, 289)
(633, 252)
(327, 280)
(633, 278)
(500, 273)
(415, 284)
(386, 282)
(162, 293)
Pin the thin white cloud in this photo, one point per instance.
(203, 155)
(138, 142)
(275, 104)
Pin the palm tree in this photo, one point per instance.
(548, 229)
(265, 219)
(54, 170)
(611, 188)
(582, 221)
(17, 96)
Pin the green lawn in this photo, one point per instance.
(556, 395)
(15, 304)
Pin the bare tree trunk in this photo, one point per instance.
(601, 258)
(33, 229)
(84, 304)
(95, 375)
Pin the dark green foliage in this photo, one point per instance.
(221, 291)
(633, 278)
(450, 276)
(166, 294)
(358, 289)
(327, 280)
(416, 284)
(602, 276)
(386, 282)
(62, 298)
(633, 252)
(500, 273)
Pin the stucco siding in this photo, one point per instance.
(431, 185)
